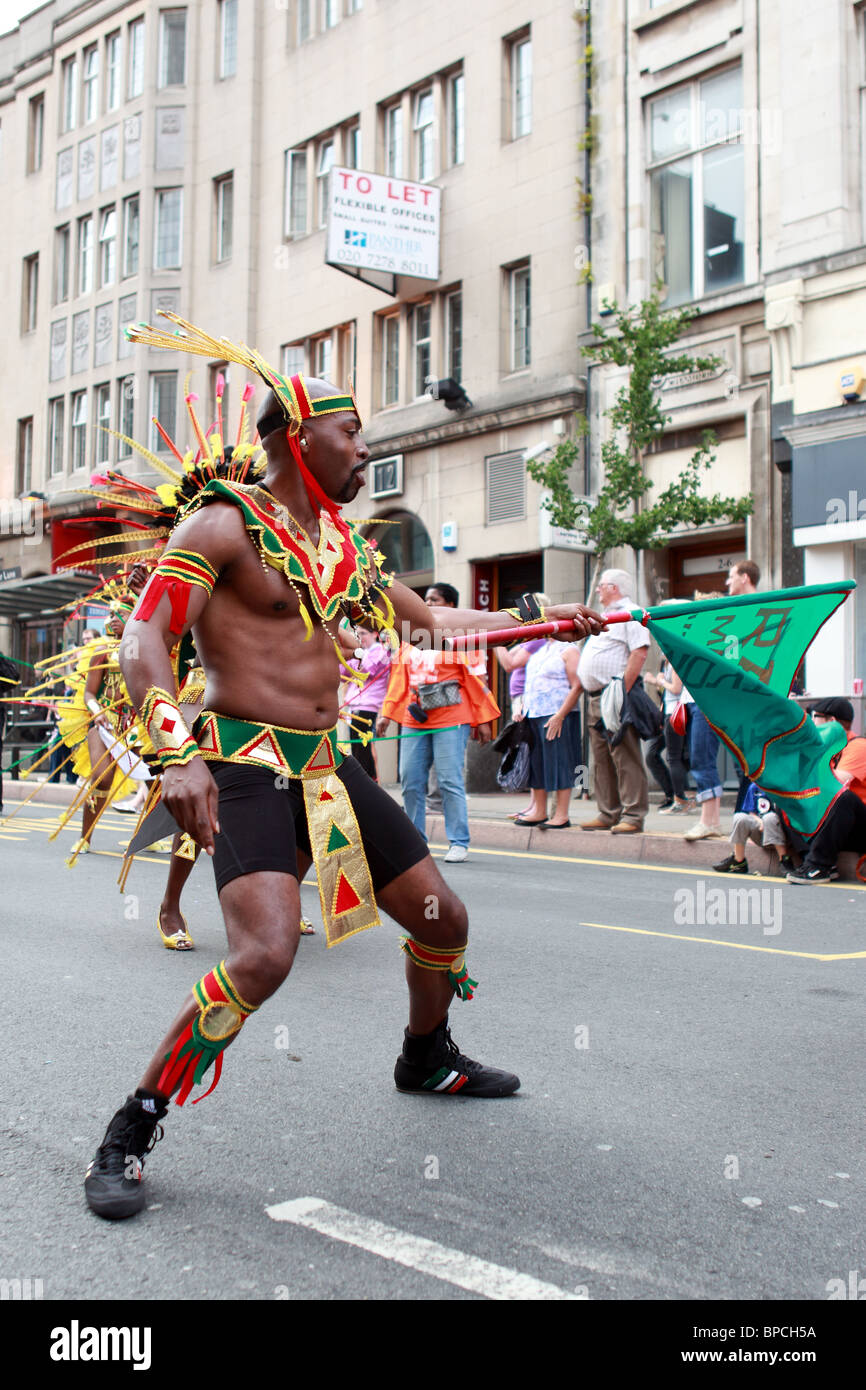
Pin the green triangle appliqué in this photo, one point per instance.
(336, 839)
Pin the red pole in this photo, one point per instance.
(530, 630)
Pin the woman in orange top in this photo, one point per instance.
(444, 717)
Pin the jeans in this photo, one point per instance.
(658, 767)
(703, 751)
(447, 749)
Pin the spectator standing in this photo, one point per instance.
(743, 578)
(362, 703)
(550, 698)
(703, 756)
(513, 661)
(619, 775)
(439, 721)
(675, 743)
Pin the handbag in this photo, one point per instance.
(680, 718)
(439, 695)
(513, 773)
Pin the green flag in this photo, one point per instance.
(737, 657)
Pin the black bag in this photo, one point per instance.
(516, 740)
(641, 712)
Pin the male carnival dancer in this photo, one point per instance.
(262, 574)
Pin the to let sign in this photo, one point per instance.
(380, 223)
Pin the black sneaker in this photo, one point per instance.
(806, 875)
(113, 1183)
(732, 866)
(433, 1065)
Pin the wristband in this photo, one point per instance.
(172, 740)
(93, 705)
(529, 610)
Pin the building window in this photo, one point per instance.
(70, 94)
(323, 356)
(421, 320)
(391, 359)
(125, 415)
(296, 193)
(55, 437)
(520, 354)
(29, 293)
(353, 6)
(131, 233)
(352, 146)
(78, 430)
(520, 83)
(394, 141)
(292, 359)
(172, 48)
(224, 192)
(91, 83)
(454, 335)
(424, 135)
(228, 15)
(112, 72)
(347, 348)
(35, 133)
(85, 255)
(305, 20)
(456, 119)
(107, 246)
(24, 457)
(135, 83)
(61, 264)
(163, 407)
(697, 187)
(167, 229)
(324, 165)
(332, 13)
(101, 437)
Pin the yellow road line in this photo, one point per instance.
(705, 872)
(734, 945)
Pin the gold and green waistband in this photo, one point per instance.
(300, 753)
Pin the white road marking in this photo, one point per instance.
(416, 1252)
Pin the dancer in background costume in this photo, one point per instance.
(262, 574)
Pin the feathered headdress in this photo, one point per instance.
(162, 506)
(295, 401)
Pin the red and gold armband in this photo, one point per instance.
(172, 740)
(177, 573)
(221, 1014)
(434, 958)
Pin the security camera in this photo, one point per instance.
(533, 453)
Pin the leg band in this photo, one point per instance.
(450, 959)
(222, 1013)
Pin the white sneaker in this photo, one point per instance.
(456, 854)
(702, 832)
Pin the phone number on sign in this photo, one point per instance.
(393, 263)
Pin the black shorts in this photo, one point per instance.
(262, 825)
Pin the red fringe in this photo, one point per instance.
(178, 593)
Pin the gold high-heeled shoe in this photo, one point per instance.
(179, 940)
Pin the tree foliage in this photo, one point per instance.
(624, 513)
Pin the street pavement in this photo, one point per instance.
(689, 1125)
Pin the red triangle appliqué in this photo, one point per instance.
(345, 897)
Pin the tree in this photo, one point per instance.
(623, 513)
